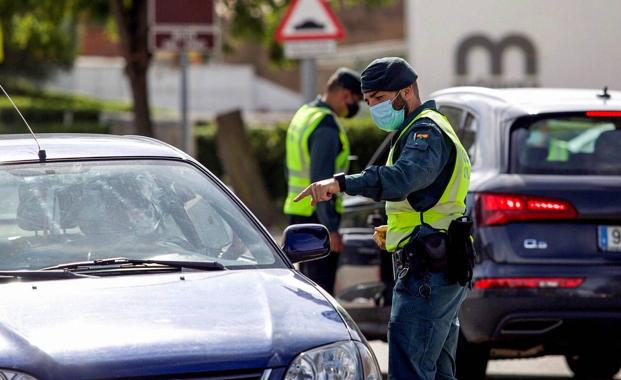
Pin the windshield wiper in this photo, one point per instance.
(86, 265)
(36, 275)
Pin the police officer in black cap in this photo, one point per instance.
(317, 148)
(424, 183)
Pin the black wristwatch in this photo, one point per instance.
(340, 178)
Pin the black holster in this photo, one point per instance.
(461, 253)
(424, 252)
(431, 250)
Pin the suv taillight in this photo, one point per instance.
(496, 209)
(528, 282)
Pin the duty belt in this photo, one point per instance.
(420, 256)
(401, 261)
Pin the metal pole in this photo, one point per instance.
(308, 73)
(185, 130)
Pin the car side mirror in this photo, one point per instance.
(305, 242)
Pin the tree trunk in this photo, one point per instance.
(241, 167)
(132, 25)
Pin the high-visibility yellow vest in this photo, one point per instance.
(303, 124)
(402, 218)
(558, 150)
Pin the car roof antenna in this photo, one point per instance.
(42, 154)
(604, 94)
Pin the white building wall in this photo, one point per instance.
(576, 42)
(212, 88)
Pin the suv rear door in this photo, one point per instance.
(561, 201)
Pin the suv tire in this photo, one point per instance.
(471, 359)
(594, 366)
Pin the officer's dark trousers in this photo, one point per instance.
(322, 271)
(422, 333)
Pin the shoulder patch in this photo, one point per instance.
(422, 136)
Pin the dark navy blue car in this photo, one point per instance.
(124, 258)
(546, 199)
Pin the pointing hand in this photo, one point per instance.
(319, 191)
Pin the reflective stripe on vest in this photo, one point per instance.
(302, 126)
(402, 218)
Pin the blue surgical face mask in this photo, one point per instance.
(386, 117)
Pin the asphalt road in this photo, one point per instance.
(546, 368)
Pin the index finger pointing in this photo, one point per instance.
(302, 195)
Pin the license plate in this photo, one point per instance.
(610, 238)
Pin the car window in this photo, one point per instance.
(55, 213)
(466, 131)
(468, 135)
(572, 144)
(453, 114)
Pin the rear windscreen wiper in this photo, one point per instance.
(36, 275)
(122, 261)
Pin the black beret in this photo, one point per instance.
(349, 79)
(388, 74)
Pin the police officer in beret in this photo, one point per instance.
(317, 148)
(424, 183)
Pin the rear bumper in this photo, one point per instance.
(558, 320)
(485, 319)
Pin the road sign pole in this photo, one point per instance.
(186, 133)
(308, 77)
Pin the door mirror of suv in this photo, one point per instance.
(305, 242)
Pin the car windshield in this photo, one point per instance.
(55, 213)
(568, 145)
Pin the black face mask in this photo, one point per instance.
(352, 110)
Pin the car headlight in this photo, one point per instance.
(338, 361)
(12, 375)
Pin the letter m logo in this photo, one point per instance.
(496, 52)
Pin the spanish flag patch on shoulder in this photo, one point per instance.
(422, 135)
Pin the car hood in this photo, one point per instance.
(163, 323)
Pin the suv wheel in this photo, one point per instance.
(471, 359)
(594, 366)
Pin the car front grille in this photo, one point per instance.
(227, 375)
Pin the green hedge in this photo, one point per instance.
(50, 107)
(268, 146)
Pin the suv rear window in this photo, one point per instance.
(567, 144)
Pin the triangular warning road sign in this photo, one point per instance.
(309, 20)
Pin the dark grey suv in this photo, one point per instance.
(546, 199)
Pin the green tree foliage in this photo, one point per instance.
(39, 36)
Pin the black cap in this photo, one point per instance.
(388, 74)
(348, 79)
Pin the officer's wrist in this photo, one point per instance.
(340, 179)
